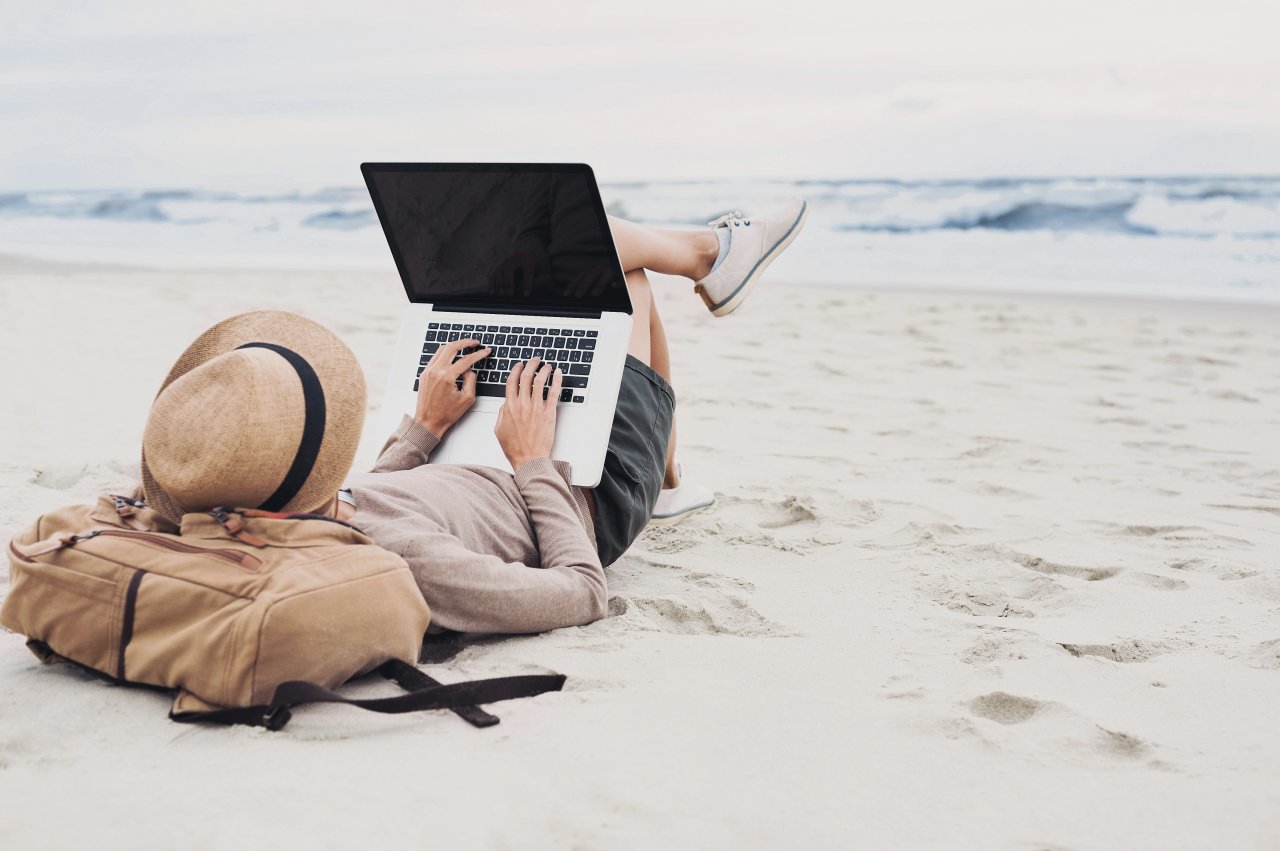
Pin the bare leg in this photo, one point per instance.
(649, 344)
(640, 346)
(661, 364)
(687, 253)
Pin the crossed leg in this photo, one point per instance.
(685, 253)
(691, 254)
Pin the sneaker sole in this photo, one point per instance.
(672, 519)
(734, 301)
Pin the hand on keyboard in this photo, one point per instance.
(526, 427)
(572, 350)
(441, 399)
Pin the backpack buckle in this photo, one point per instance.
(234, 526)
(277, 718)
(126, 510)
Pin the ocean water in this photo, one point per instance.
(1175, 237)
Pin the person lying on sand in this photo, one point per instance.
(491, 551)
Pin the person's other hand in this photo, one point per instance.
(526, 426)
(440, 402)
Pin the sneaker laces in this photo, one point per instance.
(735, 218)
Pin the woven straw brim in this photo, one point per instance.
(340, 378)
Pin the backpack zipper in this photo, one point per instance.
(246, 561)
(50, 545)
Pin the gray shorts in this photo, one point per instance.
(636, 461)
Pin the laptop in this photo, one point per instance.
(519, 257)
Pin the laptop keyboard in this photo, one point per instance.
(571, 350)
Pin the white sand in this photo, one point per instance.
(994, 573)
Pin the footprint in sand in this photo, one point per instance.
(1077, 733)
(734, 534)
(1142, 531)
(1040, 565)
(977, 598)
(792, 523)
(1160, 583)
(914, 534)
(789, 512)
(993, 646)
(729, 616)
(670, 539)
(1005, 708)
(985, 605)
(1129, 650)
(1122, 744)
(654, 597)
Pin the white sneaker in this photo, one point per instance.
(753, 244)
(677, 503)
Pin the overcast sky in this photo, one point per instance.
(276, 94)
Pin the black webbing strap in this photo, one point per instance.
(411, 678)
(312, 427)
(277, 713)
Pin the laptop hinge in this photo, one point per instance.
(464, 307)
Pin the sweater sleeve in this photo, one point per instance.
(408, 447)
(474, 592)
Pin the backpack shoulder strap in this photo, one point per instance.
(412, 678)
(432, 695)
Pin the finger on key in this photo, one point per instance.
(464, 363)
(557, 380)
(526, 377)
(447, 352)
(540, 381)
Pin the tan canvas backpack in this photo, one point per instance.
(243, 613)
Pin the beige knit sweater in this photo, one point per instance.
(491, 551)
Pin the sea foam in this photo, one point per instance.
(1202, 237)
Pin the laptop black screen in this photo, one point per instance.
(526, 238)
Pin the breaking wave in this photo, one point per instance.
(1241, 207)
(1187, 237)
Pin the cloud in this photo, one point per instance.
(300, 93)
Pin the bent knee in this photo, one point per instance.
(638, 287)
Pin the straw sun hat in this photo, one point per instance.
(263, 410)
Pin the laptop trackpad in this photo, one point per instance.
(472, 441)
